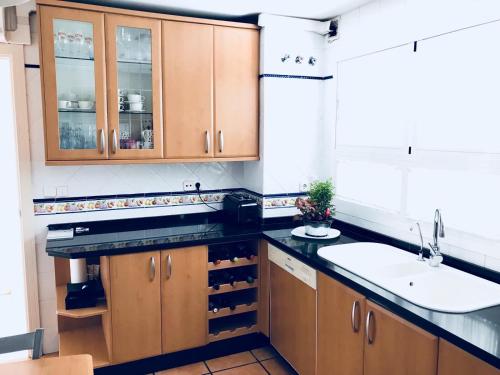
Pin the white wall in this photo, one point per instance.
(366, 34)
(291, 110)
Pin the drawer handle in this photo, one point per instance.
(355, 316)
(169, 266)
(369, 319)
(152, 269)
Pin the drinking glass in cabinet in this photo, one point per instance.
(75, 84)
(134, 77)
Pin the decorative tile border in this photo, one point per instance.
(119, 203)
(289, 76)
(152, 200)
(279, 202)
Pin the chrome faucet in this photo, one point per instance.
(436, 258)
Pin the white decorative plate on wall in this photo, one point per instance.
(301, 232)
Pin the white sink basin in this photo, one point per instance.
(436, 288)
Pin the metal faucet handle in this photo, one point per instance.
(421, 252)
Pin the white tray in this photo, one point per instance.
(301, 232)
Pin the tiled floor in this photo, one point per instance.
(262, 361)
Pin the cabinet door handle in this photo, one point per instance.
(207, 141)
(152, 269)
(369, 318)
(169, 266)
(221, 141)
(102, 142)
(114, 143)
(355, 316)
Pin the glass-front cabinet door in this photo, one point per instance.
(134, 82)
(74, 84)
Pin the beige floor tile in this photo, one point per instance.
(229, 361)
(277, 366)
(252, 369)
(264, 353)
(192, 369)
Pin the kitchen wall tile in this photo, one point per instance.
(493, 263)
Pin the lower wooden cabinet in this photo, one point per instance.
(135, 306)
(341, 326)
(358, 337)
(293, 320)
(393, 346)
(455, 361)
(184, 302)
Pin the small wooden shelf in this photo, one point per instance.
(239, 285)
(226, 311)
(85, 340)
(228, 264)
(76, 313)
(240, 331)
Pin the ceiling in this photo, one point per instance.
(239, 9)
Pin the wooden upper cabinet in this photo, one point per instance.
(393, 346)
(133, 62)
(135, 306)
(188, 89)
(124, 87)
(341, 313)
(236, 77)
(73, 76)
(455, 361)
(184, 298)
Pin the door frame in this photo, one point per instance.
(15, 54)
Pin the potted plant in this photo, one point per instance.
(317, 210)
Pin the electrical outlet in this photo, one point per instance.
(304, 186)
(188, 185)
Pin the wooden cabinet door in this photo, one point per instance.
(188, 89)
(394, 346)
(74, 90)
(184, 284)
(341, 314)
(236, 75)
(135, 306)
(293, 320)
(455, 361)
(133, 62)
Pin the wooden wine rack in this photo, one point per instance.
(242, 319)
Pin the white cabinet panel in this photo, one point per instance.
(459, 86)
(374, 99)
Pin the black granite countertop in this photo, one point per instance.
(476, 332)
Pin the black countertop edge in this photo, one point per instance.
(203, 240)
(393, 307)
